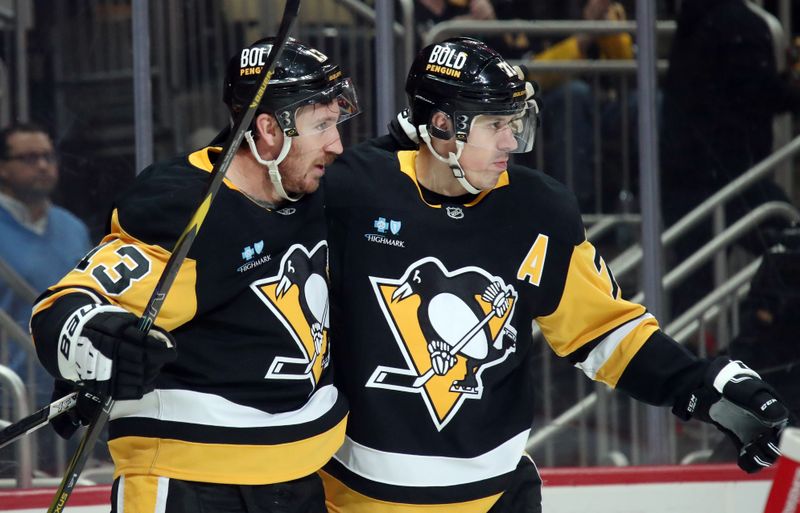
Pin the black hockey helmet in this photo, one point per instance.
(302, 76)
(464, 78)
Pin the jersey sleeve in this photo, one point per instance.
(662, 371)
(592, 325)
(613, 340)
(124, 268)
(123, 271)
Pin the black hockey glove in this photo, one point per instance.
(741, 405)
(101, 347)
(82, 414)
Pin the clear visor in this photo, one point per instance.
(317, 115)
(511, 131)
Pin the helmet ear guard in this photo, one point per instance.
(440, 134)
(437, 132)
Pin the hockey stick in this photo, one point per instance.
(399, 378)
(784, 494)
(38, 419)
(181, 249)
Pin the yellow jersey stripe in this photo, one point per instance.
(408, 167)
(341, 499)
(224, 463)
(587, 310)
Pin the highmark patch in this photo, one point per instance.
(382, 239)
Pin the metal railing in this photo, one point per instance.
(17, 283)
(702, 310)
(404, 30)
(708, 308)
(447, 29)
(16, 334)
(5, 95)
(572, 173)
(23, 449)
(18, 398)
(629, 259)
(682, 328)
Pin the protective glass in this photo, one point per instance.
(512, 131)
(321, 112)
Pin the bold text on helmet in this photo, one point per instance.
(250, 71)
(253, 57)
(450, 72)
(445, 56)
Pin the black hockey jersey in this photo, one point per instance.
(249, 399)
(433, 300)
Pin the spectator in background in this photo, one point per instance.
(40, 241)
(428, 13)
(567, 118)
(721, 92)
(569, 102)
(770, 318)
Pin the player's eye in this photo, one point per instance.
(321, 127)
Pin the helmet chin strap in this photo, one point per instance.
(272, 165)
(451, 160)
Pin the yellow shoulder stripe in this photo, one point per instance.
(408, 160)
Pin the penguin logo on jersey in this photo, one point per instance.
(298, 296)
(450, 327)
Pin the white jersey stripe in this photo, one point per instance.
(600, 354)
(425, 471)
(120, 498)
(212, 410)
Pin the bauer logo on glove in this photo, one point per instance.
(101, 347)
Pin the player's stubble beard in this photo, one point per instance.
(304, 177)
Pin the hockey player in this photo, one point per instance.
(228, 404)
(441, 256)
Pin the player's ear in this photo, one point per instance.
(268, 130)
(441, 125)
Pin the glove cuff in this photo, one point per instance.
(78, 359)
(162, 335)
(730, 372)
(696, 402)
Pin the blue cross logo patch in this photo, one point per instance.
(381, 225)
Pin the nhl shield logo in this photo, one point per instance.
(455, 212)
(394, 227)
